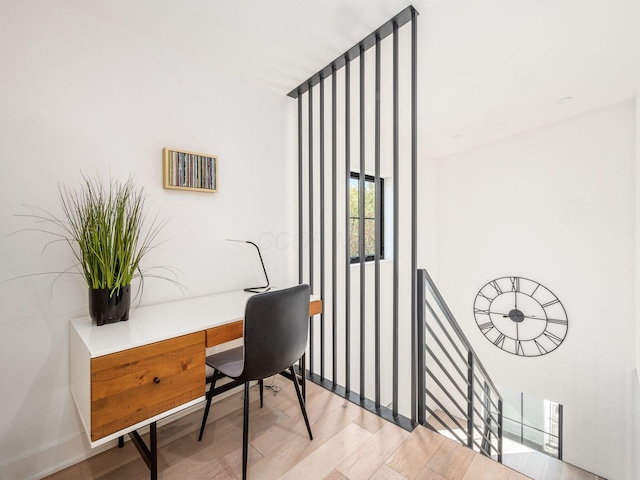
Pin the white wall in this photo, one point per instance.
(637, 245)
(635, 421)
(636, 418)
(77, 94)
(555, 205)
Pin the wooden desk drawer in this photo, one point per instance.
(130, 386)
(224, 333)
(315, 307)
(231, 331)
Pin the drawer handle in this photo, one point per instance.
(156, 380)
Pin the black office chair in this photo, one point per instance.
(276, 326)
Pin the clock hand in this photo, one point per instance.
(527, 316)
(533, 317)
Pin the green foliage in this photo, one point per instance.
(104, 228)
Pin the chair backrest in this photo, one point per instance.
(276, 326)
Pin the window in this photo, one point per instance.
(369, 217)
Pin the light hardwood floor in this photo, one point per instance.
(543, 467)
(533, 464)
(349, 443)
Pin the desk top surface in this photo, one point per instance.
(154, 323)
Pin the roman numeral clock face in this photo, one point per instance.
(520, 316)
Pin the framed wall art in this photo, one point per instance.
(185, 170)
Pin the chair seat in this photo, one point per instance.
(229, 363)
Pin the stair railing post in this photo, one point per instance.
(486, 441)
(500, 430)
(420, 346)
(560, 432)
(470, 363)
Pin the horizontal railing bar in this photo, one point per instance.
(489, 395)
(480, 380)
(463, 357)
(481, 450)
(481, 400)
(446, 392)
(435, 337)
(464, 415)
(433, 414)
(489, 442)
(484, 451)
(482, 419)
(455, 385)
(443, 409)
(493, 432)
(354, 52)
(456, 328)
(451, 359)
(435, 357)
(531, 427)
(493, 419)
(453, 419)
(482, 433)
(495, 407)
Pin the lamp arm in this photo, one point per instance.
(261, 263)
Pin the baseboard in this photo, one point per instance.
(73, 449)
(51, 459)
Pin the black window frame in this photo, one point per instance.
(370, 179)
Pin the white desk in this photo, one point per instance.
(130, 374)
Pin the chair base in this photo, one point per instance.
(213, 391)
(245, 422)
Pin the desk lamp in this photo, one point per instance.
(266, 288)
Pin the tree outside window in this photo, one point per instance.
(369, 217)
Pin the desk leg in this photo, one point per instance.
(154, 451)
(149, 454)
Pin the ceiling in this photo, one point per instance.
(487, 68)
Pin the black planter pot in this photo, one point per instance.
(107, 308)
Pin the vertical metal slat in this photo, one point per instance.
(361, 222)
(334, 234)
(396, 222)
(311, 255)
(414, 201)
(347, 176)
(300, 195)
(378, 224)
(322, 228)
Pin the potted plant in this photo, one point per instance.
(104, 226)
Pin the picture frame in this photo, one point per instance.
(186, 170)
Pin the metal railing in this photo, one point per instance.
(456, 396)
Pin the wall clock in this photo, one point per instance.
(520, 316)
